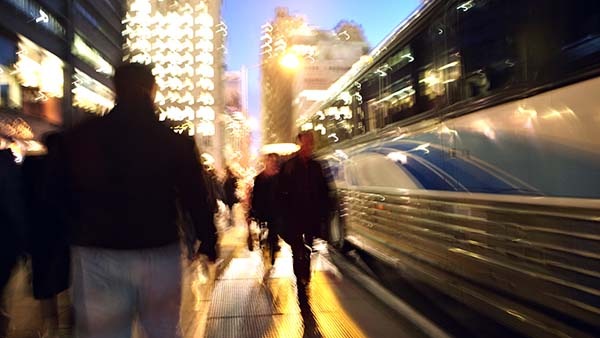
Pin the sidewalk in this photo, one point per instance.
(244, 304)
(26, 316)
(236, 301)
(198, 288)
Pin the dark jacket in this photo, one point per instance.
(229, 188)
(215, 186)
(264, 198)
(304, 196)
(123, 174)
(12, 214)
(47, 237)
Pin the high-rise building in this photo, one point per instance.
(277, 80)
(234, 119)
(56, 60)
(184, 40)
(299, 63)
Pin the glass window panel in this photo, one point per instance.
(488, 38)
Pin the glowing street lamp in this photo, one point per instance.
(290, 61)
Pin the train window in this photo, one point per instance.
(564, 38)
(358, 115)
(376, 114)
(487, 38)
(399, 96)
(439, 66)
(339, 121)
(371, 89)
(581, 43)
(401, 58)
(401, 102)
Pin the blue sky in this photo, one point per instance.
(244, 18)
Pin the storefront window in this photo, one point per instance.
(90, 95)
(10, 95)
(91, 56)
(40, 74)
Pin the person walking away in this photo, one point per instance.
(305, 204)
(12, 226)
(230, 188)
(47, 237)
(122, 175)
(263, 200)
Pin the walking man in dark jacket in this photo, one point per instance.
(230, 186)
(305, 205)
(264, 200)
(122, 175)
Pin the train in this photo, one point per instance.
(465, 153)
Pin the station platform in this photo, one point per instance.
(237, 299)
(245, 301)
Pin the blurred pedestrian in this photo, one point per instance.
(47, 236)
(230, 186)
(12, 225)
(216, 187)
(122, 176)
(305, 204)
(264, 200)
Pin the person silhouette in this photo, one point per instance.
(121, 178)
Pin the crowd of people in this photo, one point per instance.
(105, 211)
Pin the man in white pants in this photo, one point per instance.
(119, 179)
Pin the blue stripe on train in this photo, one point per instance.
(510, 164)
(442, 172)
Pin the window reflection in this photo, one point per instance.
(435, 81)
(488, 41)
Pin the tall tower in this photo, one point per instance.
(235, 119)
(277, 81)
(183, 39)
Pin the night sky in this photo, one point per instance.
(244, 18)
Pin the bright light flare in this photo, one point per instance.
(290, 61)
(253, 124)
(398, 156)
(279, 148)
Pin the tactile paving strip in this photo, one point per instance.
(244, 297)
(288, 326)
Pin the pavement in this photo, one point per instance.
(247, 301)
(25, 313)
(236, 298)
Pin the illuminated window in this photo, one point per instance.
(91, 95)
(180, 43)
(91, 56)
(37, 68)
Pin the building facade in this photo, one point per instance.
(329, 55)
(298, 63)
(56, 62)
(184, 40)
(277, 81)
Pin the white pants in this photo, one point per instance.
(114, 288)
